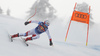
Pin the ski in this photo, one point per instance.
(10, 37)
(24, 41)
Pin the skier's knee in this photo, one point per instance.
(26, 34)
(33, 35)
(36, 37)
(22, 34)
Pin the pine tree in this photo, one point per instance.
(8, 12)
(84, 7)
(1, 10)
(43, 11)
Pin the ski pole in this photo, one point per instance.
(32, 15)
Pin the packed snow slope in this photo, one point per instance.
(74, 46)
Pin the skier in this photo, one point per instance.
(42, 27)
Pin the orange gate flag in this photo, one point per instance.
(80, 17)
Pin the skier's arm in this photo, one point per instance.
(50, 39)
(34, 22)
(31, 22)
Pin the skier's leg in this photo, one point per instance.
(34, 36)
(15, 35)
(19, 34)
(28, 38)
(22, 34)
(31, 32)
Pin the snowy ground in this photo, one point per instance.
(74, 46)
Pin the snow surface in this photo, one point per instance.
(74, 46)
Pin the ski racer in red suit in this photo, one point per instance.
(41, 28)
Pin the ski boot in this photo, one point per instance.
(15, 35)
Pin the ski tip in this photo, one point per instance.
(27, 45)
(11, 40)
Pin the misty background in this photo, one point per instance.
(13, 14)
(47, 9)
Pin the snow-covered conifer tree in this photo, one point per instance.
(1, 10)
(84, 7)
(43, 10)
(8, 12)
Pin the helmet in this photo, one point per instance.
(46, 22)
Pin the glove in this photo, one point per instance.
(51, 43)
(26, 23)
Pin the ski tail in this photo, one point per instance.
(10, 37)
(24, 41)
